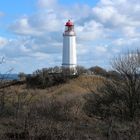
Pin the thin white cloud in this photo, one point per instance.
(22, 27)
(91, 30)
(46, 3)
(102, 31)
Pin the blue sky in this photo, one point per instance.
(31, 31)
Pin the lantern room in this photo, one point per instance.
(69, 26)
(69, 29)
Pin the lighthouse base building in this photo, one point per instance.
(69, 60)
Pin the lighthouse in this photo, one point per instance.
(69, 60)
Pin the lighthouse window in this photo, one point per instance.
(66, 28)
(69, 28)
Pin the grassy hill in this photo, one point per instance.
(55, 113)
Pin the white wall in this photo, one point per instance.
(69, 51)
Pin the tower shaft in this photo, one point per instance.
(69, 52)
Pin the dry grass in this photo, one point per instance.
(81, 85)
(56, 113)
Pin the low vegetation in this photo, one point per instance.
(95, 105)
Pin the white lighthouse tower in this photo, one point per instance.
(69, 48)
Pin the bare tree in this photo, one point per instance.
(2, 83)
(129, 67)
(120, 97)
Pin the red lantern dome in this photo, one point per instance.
(69, 23)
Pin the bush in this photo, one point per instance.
(65, 109)
(43, 79)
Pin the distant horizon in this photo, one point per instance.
(31, 32)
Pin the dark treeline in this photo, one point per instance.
(53, 76)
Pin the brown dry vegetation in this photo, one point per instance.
(52, 113)
(57, 113)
